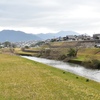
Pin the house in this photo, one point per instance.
(97, 45)
(71, 37)
(96, 36)
(84, 37)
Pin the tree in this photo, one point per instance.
(72, 52)
(7, 44)
(26, 47)
(39, 43)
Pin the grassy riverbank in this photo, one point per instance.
(22, 79)
(88, 57)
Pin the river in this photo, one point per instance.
(73, 68)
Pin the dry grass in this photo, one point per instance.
(63, 44)
(20, 52)
(22, 79)
(89, 53)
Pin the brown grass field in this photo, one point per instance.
(22, 79)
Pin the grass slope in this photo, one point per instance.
(22, 79)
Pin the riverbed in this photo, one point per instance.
(92, 74)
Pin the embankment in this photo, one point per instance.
(22, 79)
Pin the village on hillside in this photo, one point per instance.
(86, 40)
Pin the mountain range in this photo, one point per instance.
(16, 36)
(58, 34)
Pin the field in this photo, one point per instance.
(22, 79)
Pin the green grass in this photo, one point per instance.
(80, 58)
(85, 53)
(22, 79)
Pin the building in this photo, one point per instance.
(96, 37)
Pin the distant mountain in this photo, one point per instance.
(46, 36)
(64, 33)
(52, 35)
(16, 36)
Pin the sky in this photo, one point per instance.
(45, 16)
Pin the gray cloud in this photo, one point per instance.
(76, 15)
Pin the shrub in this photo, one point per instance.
(47, 52)
(63, 72)
(72, 52)
(87, 80)
(92, 63)
(62, 57)
(26, 47)
(96, 63)
(76, 77)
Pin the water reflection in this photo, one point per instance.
(73, 68)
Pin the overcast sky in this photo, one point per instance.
(43, 16)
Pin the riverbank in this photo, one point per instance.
(88, 57)
(24, 79)
(70, 67)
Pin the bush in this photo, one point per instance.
(72, 52)
(47, 52)
(62, 57)
(96, 63)
(26, 47)
(87, 80)
(92, 63)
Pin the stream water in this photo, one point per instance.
(73, 68)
